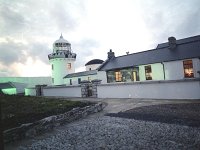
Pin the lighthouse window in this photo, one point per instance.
(69, 66)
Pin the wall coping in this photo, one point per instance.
(150, 82)
(63, 86)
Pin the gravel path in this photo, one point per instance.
(109, 133)
(119, 133)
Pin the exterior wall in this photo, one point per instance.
(75, 79)
(30, 92)
(30, 81)
(68, 91)
(174, 89)
(174, 69)
(157, 72)
(101, 75)
(10, 91)
(60, 69)
(196, 67)
(93, 67)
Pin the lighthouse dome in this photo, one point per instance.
(61, 44)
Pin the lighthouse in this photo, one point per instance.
(62, 60)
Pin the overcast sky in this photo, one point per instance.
(28, 29)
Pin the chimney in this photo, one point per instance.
(172, 42)
(111, 54)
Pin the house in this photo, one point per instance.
(91, 73)
(173, 60)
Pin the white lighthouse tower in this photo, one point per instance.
(62, 60)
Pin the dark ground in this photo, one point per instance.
(183, 114)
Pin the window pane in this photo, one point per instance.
(188, 69)
(118, 76)
(69, 66)
(148, 72)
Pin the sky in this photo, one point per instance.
(28, 29)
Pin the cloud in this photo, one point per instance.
(175, 18)
(84, 49)
(11, 52)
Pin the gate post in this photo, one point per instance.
(94, 87)
(84, 88)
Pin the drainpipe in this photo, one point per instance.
(163, 69)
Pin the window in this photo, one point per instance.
(90, 68)
(118, 76)
(52, 80)
(52, 66)
(148, 72)
(70, 81)
(110, 76)
(79, 80)
(89, 79)
(69, 66)
(188, 69)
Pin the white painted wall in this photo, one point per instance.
(179, 89)
(101, 75)
(30, 91)
(196, 67)
(93, 67)
(174, 69)
(67, 91)
(60, 69)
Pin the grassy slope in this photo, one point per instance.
(17, 110)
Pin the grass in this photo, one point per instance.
(17, 110)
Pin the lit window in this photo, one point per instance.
(118, 76)
(188, 69)
(148, 72)
(52, 66)
(69, 66)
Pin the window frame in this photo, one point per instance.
(148, 72)
(69, 66)
(188, 65)
(118, 76)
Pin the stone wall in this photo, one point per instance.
(33, 129)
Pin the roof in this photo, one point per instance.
(6, 85)
(185, 49)
(94, 61)
(61, 40)
(79, 74)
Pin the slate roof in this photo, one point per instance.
(84, 73)
(6, 85)
(185, 49)
(94, 61)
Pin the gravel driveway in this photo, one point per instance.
(104, 132)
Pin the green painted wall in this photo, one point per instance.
(157, 72)
(9, 91)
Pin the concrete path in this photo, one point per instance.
(103, 132)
